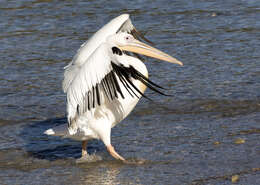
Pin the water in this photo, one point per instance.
(207, 133)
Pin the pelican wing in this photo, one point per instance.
(84, 87)
(101, 79)
(121, 23)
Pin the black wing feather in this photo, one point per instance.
(111, 88)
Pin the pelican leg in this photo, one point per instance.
(114, 154)
(84, 148)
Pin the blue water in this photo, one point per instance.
(190, 138)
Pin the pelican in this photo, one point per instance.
(103, 83)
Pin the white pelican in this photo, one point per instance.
(103, 83)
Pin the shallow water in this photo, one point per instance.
(207, 133)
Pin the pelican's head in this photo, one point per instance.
(127, 42)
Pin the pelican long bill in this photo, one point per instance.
(144, 49)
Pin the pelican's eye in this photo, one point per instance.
(127, 38)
